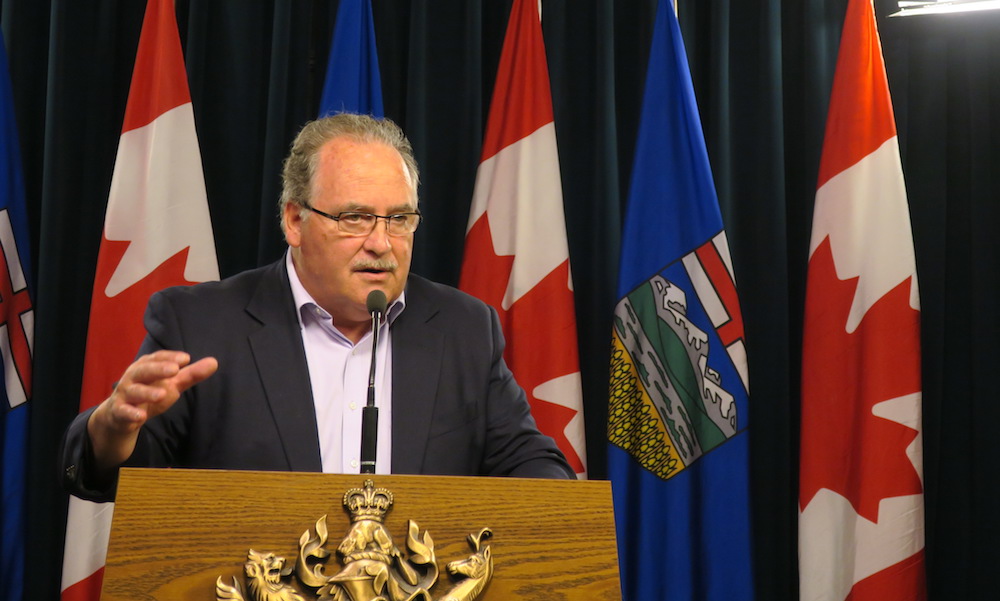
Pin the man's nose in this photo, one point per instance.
(379, 240)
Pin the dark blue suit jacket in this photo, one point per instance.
(456, 408)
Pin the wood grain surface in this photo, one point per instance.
(175, 531)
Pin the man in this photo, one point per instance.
(275, 361)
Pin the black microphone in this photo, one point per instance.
(376, 304)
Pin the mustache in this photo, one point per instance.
(384, 264)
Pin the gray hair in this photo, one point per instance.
(300, 166)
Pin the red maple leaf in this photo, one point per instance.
(116, 328)
(903, 580)
(540, 328)
(845, 448)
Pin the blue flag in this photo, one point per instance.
(16, 332)
(677, 419)
(353, 83)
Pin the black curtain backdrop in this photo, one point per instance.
(762, 73)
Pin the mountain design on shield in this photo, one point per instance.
(669, 404)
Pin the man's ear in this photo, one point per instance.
(291, 224)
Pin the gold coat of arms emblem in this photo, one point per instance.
(369, 566)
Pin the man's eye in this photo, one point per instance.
(398, 218)
(355, 218)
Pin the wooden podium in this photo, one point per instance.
(176, 531)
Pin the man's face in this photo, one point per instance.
(339, 270)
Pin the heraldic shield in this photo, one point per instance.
(679, 383)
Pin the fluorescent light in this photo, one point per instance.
(932, 7)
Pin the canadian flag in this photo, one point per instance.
(157, 233)
(516, 253)
(861, 521)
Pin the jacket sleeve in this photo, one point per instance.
(78, 473)
(514, 445)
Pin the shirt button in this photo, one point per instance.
(353, 406)
(354, 463)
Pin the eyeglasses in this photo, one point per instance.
(355, 223)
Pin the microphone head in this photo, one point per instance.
(377, 302)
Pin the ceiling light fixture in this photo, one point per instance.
(934, 7)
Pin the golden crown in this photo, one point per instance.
(368, 503)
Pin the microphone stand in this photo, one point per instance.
(369, 414)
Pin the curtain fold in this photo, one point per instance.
(946, 73)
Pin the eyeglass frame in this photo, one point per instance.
(388, 220)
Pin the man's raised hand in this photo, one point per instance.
(150, 386)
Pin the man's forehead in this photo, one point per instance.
(351, 145)
(344, 155)
(404, 207)
(346, 159)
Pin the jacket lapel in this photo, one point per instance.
(416, 365)
(281, 365)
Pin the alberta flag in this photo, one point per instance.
(157, 233)
(353, 83)
(16, 338)
(677, 420)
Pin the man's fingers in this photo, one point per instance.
(179, 357)
(149, 371)
(156, 366)
(150, 386)
(127, 413)
(138, 394)
(195, 373)
(164, 365)
(153, 384)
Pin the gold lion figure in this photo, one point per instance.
(264, 573)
